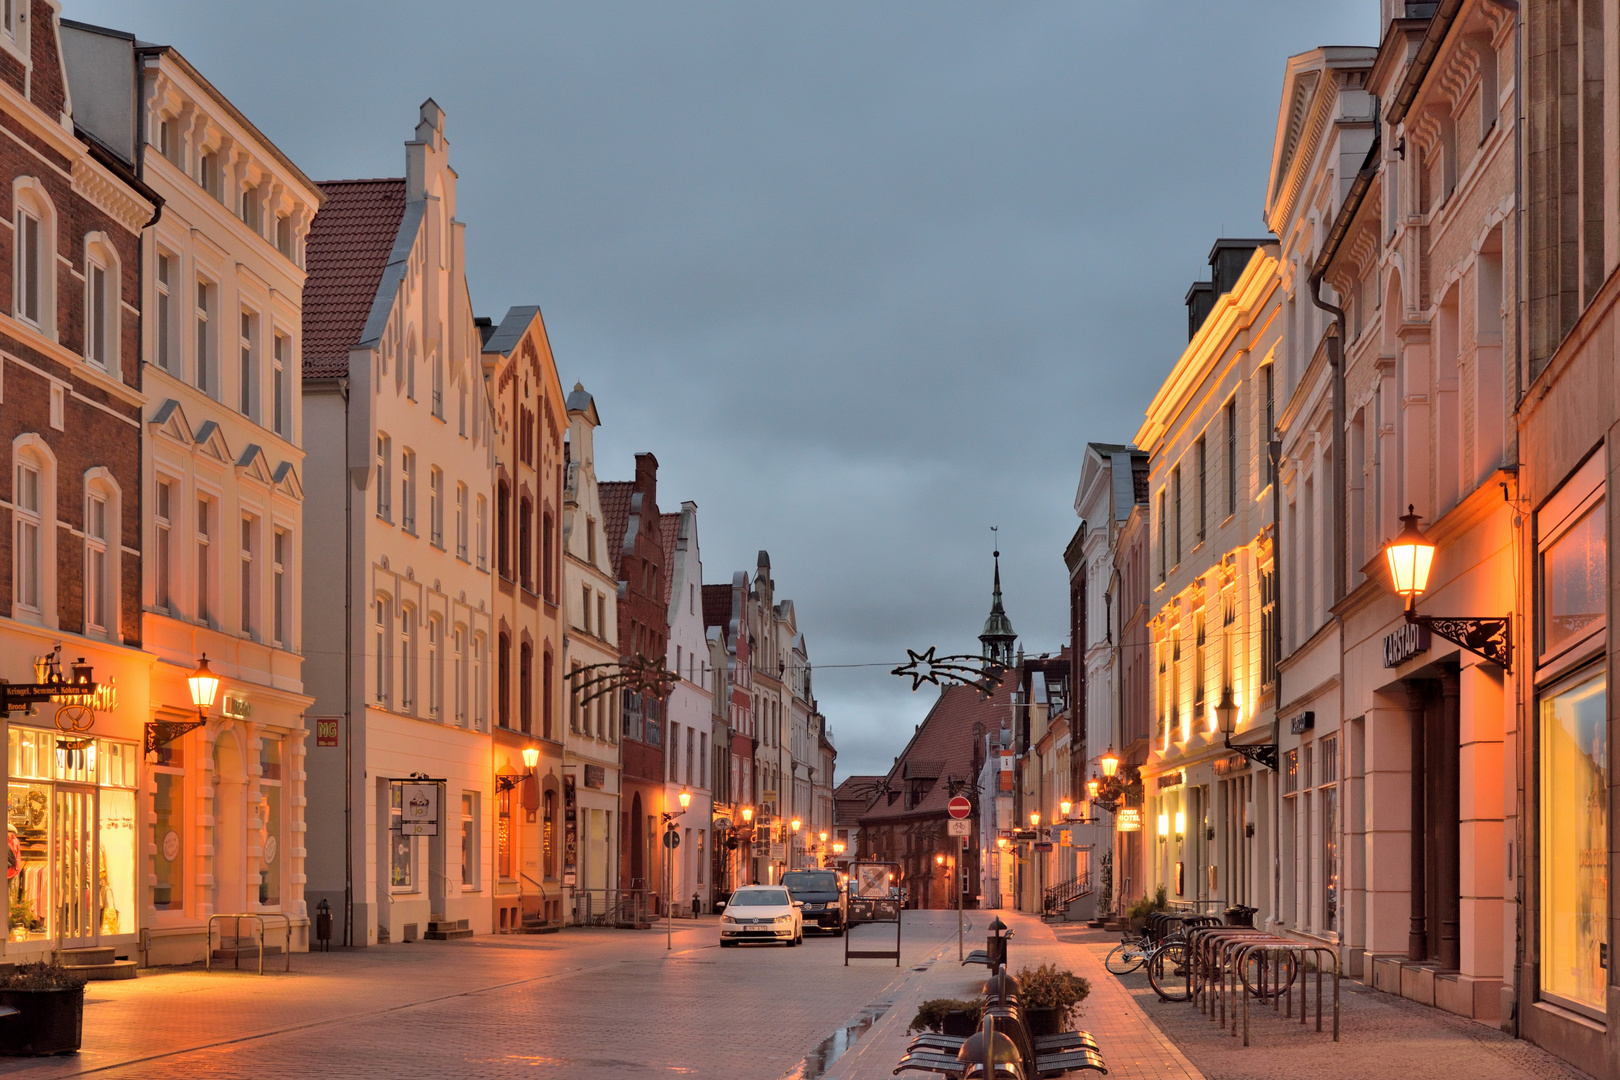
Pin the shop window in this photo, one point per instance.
(269, 814)
(1574, 578)
(548, 835)
(1330, 832)
(401, 855)
(503, 835)
(469, 840)
(1574, 840)
(168, 826)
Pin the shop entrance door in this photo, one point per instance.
(78, 914)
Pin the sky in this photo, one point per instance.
(865, 277)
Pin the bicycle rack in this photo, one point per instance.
(258, 917)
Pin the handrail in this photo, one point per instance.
(256, 916)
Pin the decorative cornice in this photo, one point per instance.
(105, 192)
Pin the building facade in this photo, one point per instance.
(691, 714)
(395, 418)
(530, 421)
(78, 820)
(591, 743)
(726, 613)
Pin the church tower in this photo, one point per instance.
(998, 636)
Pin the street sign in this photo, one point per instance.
(326, 730)
(672, 839)
(958, 828)
(959, 807)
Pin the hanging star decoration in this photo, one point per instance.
(961, 669)
(634, 674)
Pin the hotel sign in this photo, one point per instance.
(1407, 641)
(1129, 819)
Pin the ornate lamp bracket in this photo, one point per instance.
(1261, 753)
(162, 732)
(1489, 638)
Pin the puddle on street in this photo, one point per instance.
(833, 1047)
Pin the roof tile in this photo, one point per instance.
(345, 255)
(944, 744)
(615, 497)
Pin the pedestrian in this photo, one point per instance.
(696, 905)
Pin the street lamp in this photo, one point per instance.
(531, 756)
(1034, 819)
(1092, 787)
(685, 796)
(747, 814)
(1226, 720)
(204, 685)
(838, 847)
(1064, 806)
(1001, 843)
(1409, 557)
(672, 840)
(794, 825)
(505, 781)
(1109, 762)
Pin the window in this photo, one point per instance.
(100, 310)
(526, 687)
(461, 408)
(249, 528)
(269, 814)
(1268, 626)
(548, 557)
(252, 216)
(1574, 579)
(26, 572)
(469, 841)
(483, 533)
(525, 543)
(503, 680)
(573, 700)
(1164, 536)
(1290, 772)
(205, 360)
(168, 134)
(168, 827)
(548, 835)
(435, 698)
(164, 526)
(503, 834)
(1329, 795)
(384, 481)
(548, 683)
(380, 644)
(503, 518)
(282, 548)
(1203, 487)
(585, 608)
(284, 235)
(1175, 483)
(438, 386)
(29, 270)
(407, 491)
(458, 638)
(249, 373)
(1200, 652)
(97, 565)
(205, 561)
(1270, 431)
(461, 521)
(165, 311)
(279, 409)
(1231, 457)
(1574, 840)
(407, 658)
(402, 848)
(590, 540)
(601, 617)
(477, 690)
(436, 506)
(208, 173)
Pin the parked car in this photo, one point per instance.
(823, 896)
(761, 913)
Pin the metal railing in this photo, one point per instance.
(1064, 893)
(628, 908)
(258, 918)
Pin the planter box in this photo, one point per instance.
(959, 1022)
(49, 1022)
(1043, 1021)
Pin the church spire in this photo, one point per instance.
(998, 636)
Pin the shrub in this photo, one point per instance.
(931, 1014)
(1046, 987)
(1145, 907)
(41, 976)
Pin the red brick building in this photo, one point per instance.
(70, 376)
(634, 532)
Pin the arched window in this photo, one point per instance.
(407, 658)
(33, 298)
(548, 553)
(477, 688)
(526, 687)
(101, 302)
(101, 553)
(524, 537)
(435, 693)
(458, 638)
(547, 685)
(34, 531)
(548, 833)
(381, 643)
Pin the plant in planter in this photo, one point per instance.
(49, 1000)
(949, 1016)
(1051, 998)
(1145, 907)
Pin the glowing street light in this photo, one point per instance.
(204, 685)
(1109, 762)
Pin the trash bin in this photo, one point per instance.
(1240, 915)
(995, 943)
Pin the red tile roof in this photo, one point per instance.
(943, 745)
(669, 526)
(347, 250)
(615, 497)
(717, 607)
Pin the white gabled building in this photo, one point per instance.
(397, 590)
(689, 711)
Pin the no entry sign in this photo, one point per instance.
(960, 807)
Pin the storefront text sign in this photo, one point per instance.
(1407, 641)
(419, 809)
(326, 730)
(595, 776)
(1170, 780)
(1129, 819)
(1302, 723)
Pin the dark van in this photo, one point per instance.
(823, 898)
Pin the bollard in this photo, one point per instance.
(995, 943)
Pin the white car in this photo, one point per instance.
(761, 913)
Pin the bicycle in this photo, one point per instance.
(1128, 955)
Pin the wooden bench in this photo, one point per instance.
(1048, 1055)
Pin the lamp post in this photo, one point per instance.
(672, 840)
(794, 824)
(942, 861)
(1109, 762)
(748, 819)
(1409, 557)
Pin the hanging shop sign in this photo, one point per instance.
(236, 707)
(1408, 640)
(1129, 819)
(1302, 723)
(419, 807)
(1170, 780)
(1044, 845)
(326, 730)
(570, 832)
(1232, 763)
(596, 776)
(1006, 771)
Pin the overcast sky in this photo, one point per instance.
(864, 276)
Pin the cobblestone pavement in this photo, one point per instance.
(1382, 1037)
(582, 1003)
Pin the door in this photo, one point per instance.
(77, 891)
